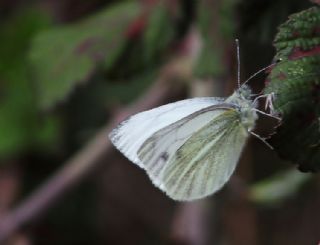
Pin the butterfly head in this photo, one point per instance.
(244, 92)
(241, 97)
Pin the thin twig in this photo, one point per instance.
(170, 82)
(78, 167)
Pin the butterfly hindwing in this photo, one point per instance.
(171, 149)
(204, 163)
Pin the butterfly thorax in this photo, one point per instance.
(242, 101)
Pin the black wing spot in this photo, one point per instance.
(164, 156)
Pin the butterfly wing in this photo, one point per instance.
(129, 135)
(205, 162)
(189, 161)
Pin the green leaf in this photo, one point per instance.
(67, 56)
(295, 82)
(126, 92)
(20, 126)
(277, 188)
(212, 31)
(159, 32)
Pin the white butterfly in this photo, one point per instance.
(189, 148)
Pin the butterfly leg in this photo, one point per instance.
(262, 139)
(267, 114)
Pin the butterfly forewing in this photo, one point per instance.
(129, 136)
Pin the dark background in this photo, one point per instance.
(67, 76)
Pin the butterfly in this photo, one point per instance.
(191, 147)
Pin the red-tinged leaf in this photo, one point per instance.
(298, 53)
(136, 29)
(295, 82)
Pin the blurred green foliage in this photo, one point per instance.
(41, 64)
(114, 55)
(215, 29)
(66, 56)
(21, 127)
(278, 188)
(159, 32)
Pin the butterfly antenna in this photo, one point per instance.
(238, 62)
(258, 72)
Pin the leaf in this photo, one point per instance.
(20, 126)
(215, 30)
(131, 89)
(295, 81)
(67, 56)
(159, 31)
(278, 187)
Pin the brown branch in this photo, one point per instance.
(170, 82)
(78, 167)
